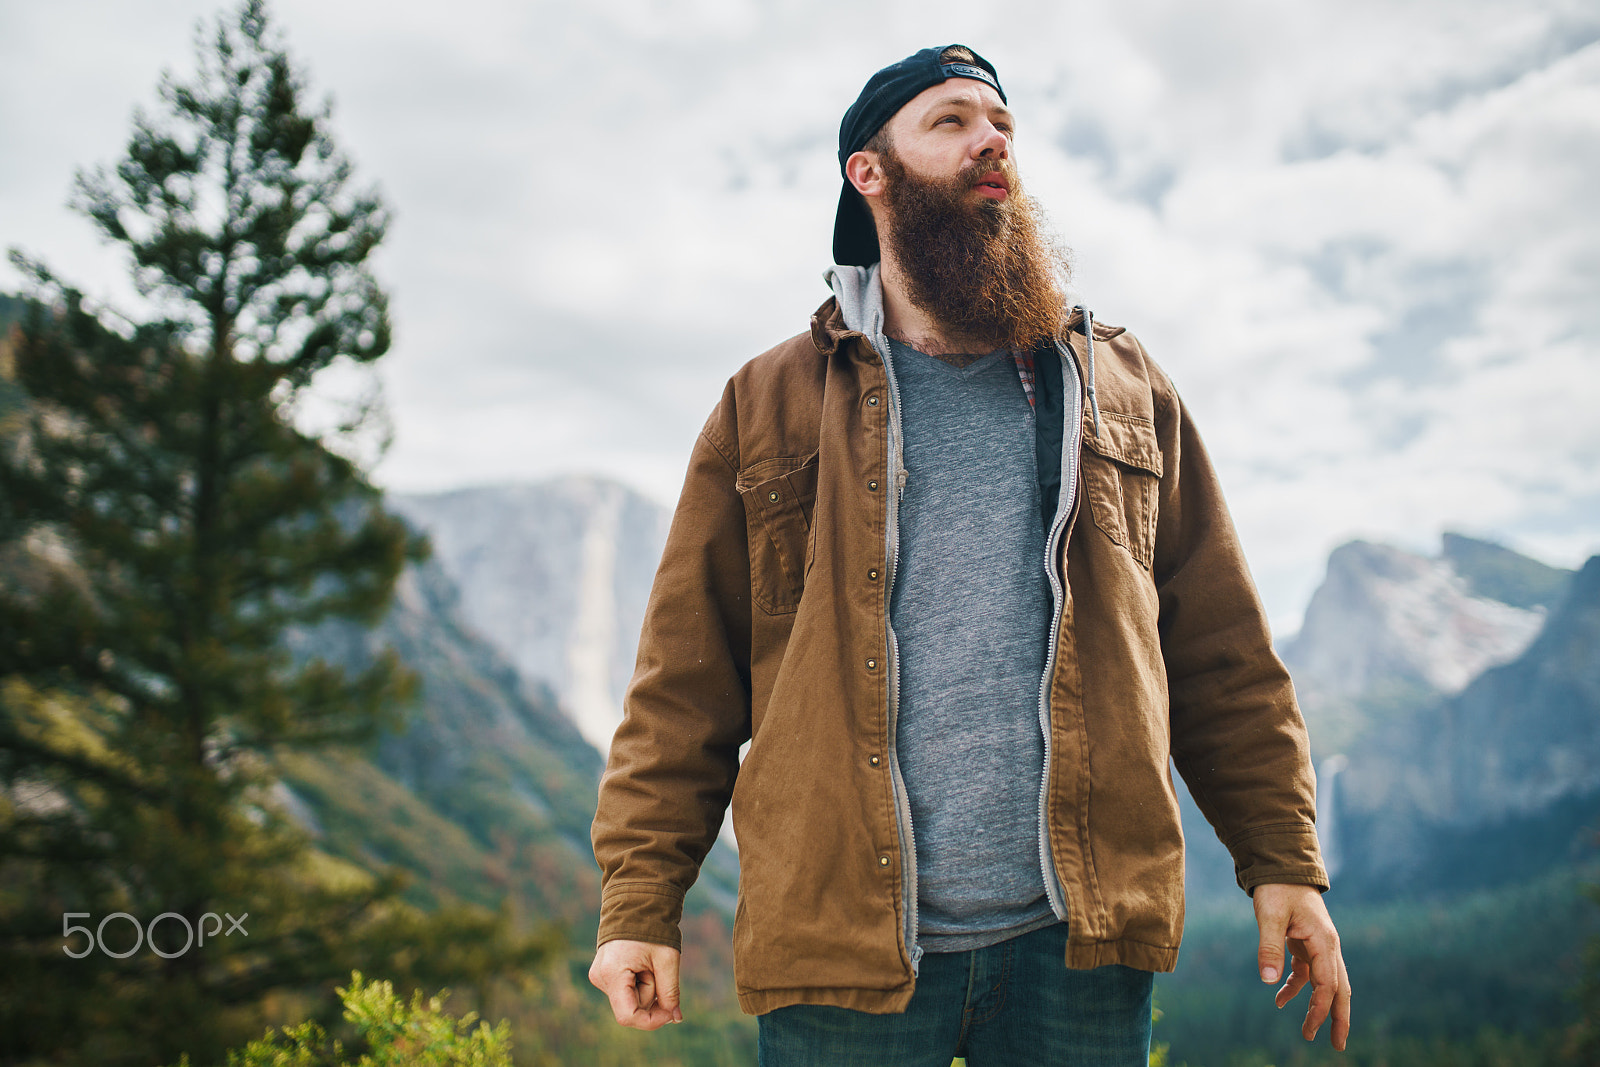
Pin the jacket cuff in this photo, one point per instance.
(641, 911)
(1282, 854)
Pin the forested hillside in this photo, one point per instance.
(1460, 816)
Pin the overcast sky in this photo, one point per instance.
(1363, 237)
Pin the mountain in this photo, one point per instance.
(1391, 638)
(555, 575)
(1498, 573)
(1390, 630)
(487, 791)
(1493, 783)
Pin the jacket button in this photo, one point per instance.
(874, 760)
(872, 401)
(872, 575)
(872, 664)
(773, 496)
(883, 861)
(873, 485)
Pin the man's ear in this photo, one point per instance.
(865, 171)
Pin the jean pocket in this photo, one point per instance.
(1122, 469)
(779, 495)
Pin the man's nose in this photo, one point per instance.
(992, 145)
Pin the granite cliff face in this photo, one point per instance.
(487, 791)
(1492, 783)
(555, 575)
(1454, 710)
(1389, 630)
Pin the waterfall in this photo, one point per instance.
(595, 708)
(1327, 812)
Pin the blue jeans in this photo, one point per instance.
(1009, 1005)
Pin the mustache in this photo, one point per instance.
(972, 173)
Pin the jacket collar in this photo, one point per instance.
(828, 329)
(858, 299)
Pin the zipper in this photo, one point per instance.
(1070, 442)
(898, 477)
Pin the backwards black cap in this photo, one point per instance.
(855, 239)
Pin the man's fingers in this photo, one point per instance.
(1298, 977)
(667, 984)
(644, 984)
(634, 1001)
(624, 997)
(1326, 959)
(1296, 914)
(1317, 1010)
(638, 978)
(1326, 965)
(1274, 924)
(1341, 1011)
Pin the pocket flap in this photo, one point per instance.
(778, 496)
(781, 494)
(1129, 440)
(777, 469)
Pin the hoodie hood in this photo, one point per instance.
(860, 295)
(859, 291)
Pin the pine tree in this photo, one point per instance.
(166, 534)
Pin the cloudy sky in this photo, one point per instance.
(1363, 237)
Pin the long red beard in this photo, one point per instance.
(985, 272)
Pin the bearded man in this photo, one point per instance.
(955, 564)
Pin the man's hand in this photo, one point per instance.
(1296, 913)
(641, 980)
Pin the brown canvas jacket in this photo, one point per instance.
(767, 622)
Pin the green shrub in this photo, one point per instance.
(415, 1034)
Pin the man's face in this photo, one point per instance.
(970, 245)
(958, 128)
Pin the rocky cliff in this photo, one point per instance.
(1452, 721)
(1388, 630)
(486, 792)
(555, 576)
(1493, 783)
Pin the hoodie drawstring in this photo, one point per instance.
(1088, 348)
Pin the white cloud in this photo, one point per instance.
(1361, 236)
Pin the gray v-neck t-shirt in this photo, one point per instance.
(971, 610)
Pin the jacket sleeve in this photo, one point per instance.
(1238, 738)
(673, 760)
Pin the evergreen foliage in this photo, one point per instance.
(1483, 978)
(165, 529)
(11, 309)
(1583, 1041)
(11, 398)
(239, 216)
(415, 1034)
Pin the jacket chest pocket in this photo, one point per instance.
(778, 496)
(1122, 478)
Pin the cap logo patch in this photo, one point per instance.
(967, 70)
